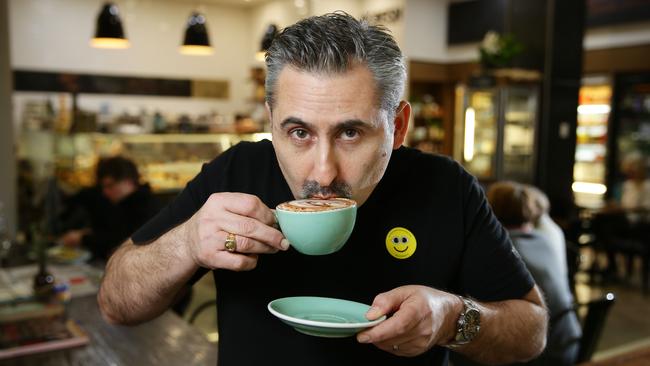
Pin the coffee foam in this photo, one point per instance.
(316, 205)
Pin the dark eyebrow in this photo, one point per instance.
(351, 123)
(293, 121)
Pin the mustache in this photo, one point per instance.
(311, 188)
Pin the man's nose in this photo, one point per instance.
(326, 166)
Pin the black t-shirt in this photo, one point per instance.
(461, 248)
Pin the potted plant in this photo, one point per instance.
(498, 50)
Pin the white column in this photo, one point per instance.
(7, 145)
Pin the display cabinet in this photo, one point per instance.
(498, 125)
(591, 141)
(165, 161)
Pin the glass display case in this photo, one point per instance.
(629, 131)
(498, 125)
(480, 133)
(519, 122)
(166, 161)
(591, 142)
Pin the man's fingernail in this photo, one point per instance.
(372, 312)
(284, 244)
(364, 339)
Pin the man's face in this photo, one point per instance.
(330, 137)
(117, 190)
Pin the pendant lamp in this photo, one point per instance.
(196, 41)
(269, 35)
(108, 31)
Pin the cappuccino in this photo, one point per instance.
(316, 205)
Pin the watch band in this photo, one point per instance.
(468, 324)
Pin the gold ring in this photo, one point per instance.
(231, 243)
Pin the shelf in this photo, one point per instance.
(181, 138)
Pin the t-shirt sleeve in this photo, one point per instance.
(491, 269)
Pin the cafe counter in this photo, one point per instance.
(166, 340)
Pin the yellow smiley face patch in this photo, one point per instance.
(401, 243)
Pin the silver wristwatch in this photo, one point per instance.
(468, 324)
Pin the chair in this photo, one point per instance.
(593, 324)
(574, 260)
(618, 235)
(206, 305)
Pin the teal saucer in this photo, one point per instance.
(323, 316)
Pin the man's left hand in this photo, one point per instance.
(422, 318)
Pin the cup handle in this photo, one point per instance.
(277, 222)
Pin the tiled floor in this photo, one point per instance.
(628, 323)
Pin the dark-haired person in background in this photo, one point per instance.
(515, 206)
(105, 215)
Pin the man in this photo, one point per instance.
(112, 210)
(333, 98)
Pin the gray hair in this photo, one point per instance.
(334, 43)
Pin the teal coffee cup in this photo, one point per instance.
(317, 227)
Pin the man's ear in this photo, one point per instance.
(401, 124)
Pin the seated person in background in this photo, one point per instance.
(112, 210)
(515, 208)
(636, 188)
(635, 193)
(546, 226)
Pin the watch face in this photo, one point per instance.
(472, 323)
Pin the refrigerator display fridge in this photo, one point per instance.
(594, 106)
(497, 128)
(629, 131)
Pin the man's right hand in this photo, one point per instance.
(241, 214)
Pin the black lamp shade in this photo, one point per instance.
(267, 39)
(196, 40)
(108, 31)
(269, 35)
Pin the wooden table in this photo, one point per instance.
(637, 357)
(166, 340)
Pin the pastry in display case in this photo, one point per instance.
(428, 131)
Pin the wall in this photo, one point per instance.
(280, 13)
(352, 7)
(617, 36)
(284, 13)
(397, 28)
(426, 34)
(53, 35)
(7, 146)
